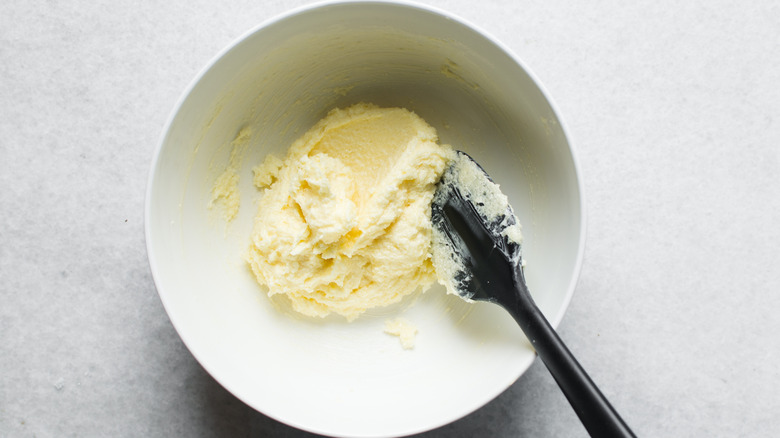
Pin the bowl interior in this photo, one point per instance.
(329, 376)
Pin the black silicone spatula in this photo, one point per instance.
(493, 272)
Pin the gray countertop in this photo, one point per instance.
(674, 108)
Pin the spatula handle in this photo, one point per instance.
(596, 413)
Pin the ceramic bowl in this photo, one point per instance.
(329, 376)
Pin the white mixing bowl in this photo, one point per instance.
(329, 376)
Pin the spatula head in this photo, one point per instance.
(476, 236)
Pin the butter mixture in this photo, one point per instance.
(344, 223)
(402, 328)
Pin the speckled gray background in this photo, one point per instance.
(674, 107)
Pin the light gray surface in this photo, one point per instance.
(674, 109)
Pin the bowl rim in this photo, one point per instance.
(410, 4)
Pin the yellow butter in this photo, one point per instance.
(345, 226)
